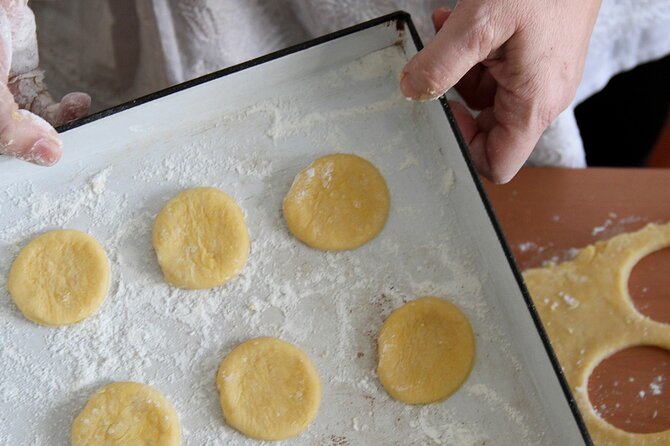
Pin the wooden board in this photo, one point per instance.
(546, 213)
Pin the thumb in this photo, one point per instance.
(25, 135)
(470, 33)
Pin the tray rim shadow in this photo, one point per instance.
(403, 22)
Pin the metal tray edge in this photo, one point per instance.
(508, 254)
(402, 20)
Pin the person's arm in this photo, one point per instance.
(518, 62)
(23, 94)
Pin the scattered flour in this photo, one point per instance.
(598, 229)
(656, 386)
(527, 246)
(569, 300)
(330, 304)
(614, 225)
(99, 180)
(448, 181)
(410, 161)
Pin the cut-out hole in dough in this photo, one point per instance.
(631, 388)
(649, 285)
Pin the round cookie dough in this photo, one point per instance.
(59, 278)
(338, 202)
(127, 413)
(426, 351)
(269, 389)
(201, 239)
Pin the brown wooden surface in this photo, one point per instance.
(546, 213)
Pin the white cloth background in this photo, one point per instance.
(117, 50)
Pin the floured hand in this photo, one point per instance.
(518, 62)
(27, 110)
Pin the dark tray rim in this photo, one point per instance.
(402, 21)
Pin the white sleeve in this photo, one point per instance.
(627, 33)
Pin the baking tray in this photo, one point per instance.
(248, 130)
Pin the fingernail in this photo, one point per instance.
(45, 152)
(412, 92)
(406, 86)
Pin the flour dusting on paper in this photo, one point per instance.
(329, 304)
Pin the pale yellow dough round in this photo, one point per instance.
(338, 202)
(426, 351)
(127, 414)
(201, 239)
(269, 389)
(59, 278)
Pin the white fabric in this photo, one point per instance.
(627, 33)
(24, 53)
(120, 49)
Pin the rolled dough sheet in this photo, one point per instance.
(587, 311)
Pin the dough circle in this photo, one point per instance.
(426, 351)
(269, 389)
(338, 202)
(124, 414)
(589, 315)
(200, 239)
(59, 278)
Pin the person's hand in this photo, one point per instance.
(519, 62)
(23, 95)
